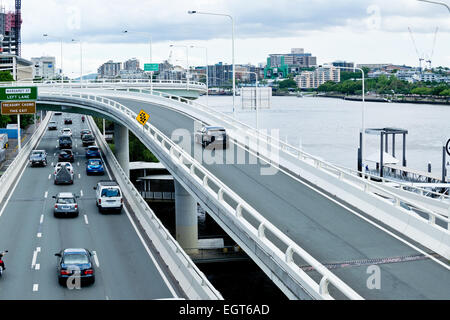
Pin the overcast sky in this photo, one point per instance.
(364, 31)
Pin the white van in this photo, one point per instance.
(108, 196)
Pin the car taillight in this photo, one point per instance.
(56, 206)
(64, 273)
(89, 271)
(76, 206)
(99, 201)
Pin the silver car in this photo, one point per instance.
(66, 205)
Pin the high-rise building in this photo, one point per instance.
(131, 65)
(109, 69)
(10, 30)
(220, 75)
(44, 67)
(314, 79)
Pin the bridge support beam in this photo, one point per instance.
(122, 147)
(186, 218)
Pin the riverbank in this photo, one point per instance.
(390, 99)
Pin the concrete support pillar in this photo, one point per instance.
(186, 218)
(121, 147)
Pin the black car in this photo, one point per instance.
(88, 140)
(67, 121)
(85, 131)
(75, 265)
(66, 155)
(65, 142)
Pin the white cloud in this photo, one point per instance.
(356, 30)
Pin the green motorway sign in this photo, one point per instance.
(151, 67)
(18, 94)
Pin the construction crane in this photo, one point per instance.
(432, 49)
(421, 58)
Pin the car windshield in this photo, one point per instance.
(95, 162)
(93, 149)
(75, 258)
(110, 193)
(66, 200)
(87, 136)
(37, 153)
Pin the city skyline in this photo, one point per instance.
(357, 31)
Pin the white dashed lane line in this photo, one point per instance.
(35, 254)
(94, 253)
(86, 219)
(35, 287)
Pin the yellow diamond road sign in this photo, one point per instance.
(143, 117)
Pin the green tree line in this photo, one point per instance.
(384, 85)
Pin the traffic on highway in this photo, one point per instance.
(67, 230)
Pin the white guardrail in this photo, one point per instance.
(227, 198)
(9, 177)
(347, 176)
(182, 84)
(195, 284)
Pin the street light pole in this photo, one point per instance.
(81, 58)
(187, 62)
(151, 52)
(207, 74)
(363, 120)
(438, 3)
(61, 40)
(232, 50)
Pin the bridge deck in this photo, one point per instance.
(326, 229)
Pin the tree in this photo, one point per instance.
(288, 83)
(6, 76)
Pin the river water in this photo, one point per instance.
(329, 128)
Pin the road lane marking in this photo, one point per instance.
(81, 193)
(35, 253)
(78, 163)
(96, 259)
(46, 194)
(35, 287)
(38, 266)
(49, 176)
(79, 176)
(86, 219)
(42, 219)
(39, 235)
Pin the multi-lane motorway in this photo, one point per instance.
(330, 231)
(125, 266)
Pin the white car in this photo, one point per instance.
(108, 196)
(59, 165)
(66, 132)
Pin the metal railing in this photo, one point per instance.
(256, 225)
(172, 246)
(86, 83)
